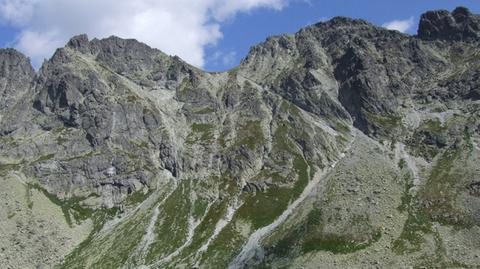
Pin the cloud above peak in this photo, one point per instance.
(400, 25)
(177, 27)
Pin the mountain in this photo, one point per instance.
(345, 145)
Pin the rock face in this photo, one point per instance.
(16, 74)
(344, 138)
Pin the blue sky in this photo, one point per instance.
(212, 34)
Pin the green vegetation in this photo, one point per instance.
(338, 243)
(402, 163)
(406, 198)
(114, 249)
(341, 127)
(442, 188)
(411, 238)
(204, 110)
(86, 156)
(316, 239)
(434, 125)
(250, 134)
(262, 208)
(78, 258)
(137, 197)
(70, 207)
(61, 140)
(173, 226)
(45, 158)
(309, 235)
(386, 121)
(201, 133)
(434, 202)
(132, 98)
(5, 167)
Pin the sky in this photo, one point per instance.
(211, 34)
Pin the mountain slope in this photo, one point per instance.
(343, 145)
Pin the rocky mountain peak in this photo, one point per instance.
(79, 42)
(16, 73)
(458, 25)
(12, 61)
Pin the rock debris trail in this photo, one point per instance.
(192, 226)
(149, 236)
(252, 248)
(410, 164)
(142, 248)
(221, 224)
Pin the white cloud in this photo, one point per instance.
(177, 27)
(400, 25)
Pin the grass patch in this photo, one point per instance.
(386, 121)
(338, 244)
(262, 208)
(137, 197)
(45, 158)
(172, 225)
(402, 163)
(5, 167)
(341, 127)
(434, 125)
(132, 98)
(406, 198)
(442, 188)
(201, 133)
(411, 238)
(205, 110)
(250, 134)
